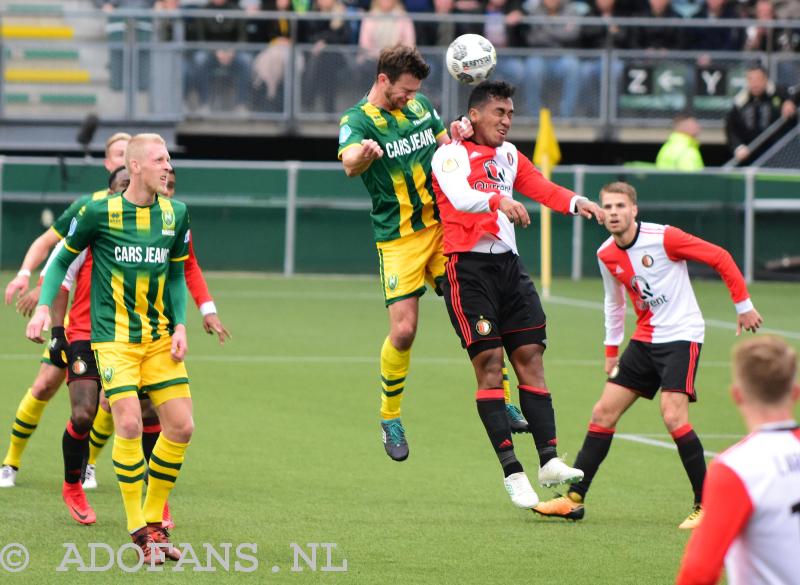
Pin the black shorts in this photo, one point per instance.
(82, 365)
(492, 302)
(646, 367)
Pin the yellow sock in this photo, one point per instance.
(102, 427)
(29, 412)
(128, 460)
(506, 385)
(165, 464)
(394, 369)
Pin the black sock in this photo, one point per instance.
(492, 410)
(75, 449)
(537, 408)
(593, 452)
(694, 462)
(151, 429)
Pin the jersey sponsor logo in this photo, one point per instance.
(344, 133)
(137, 254)
(449, 165)
(73, 225)
(647, 298)
(483, 327)
(422, 120)
(647, 261)
(108, 374)
(416, 141)
(393, 281)
(79, 367)
(493, 172)
(115, 220)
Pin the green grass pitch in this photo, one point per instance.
(287, 449)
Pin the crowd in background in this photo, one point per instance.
(254, 78)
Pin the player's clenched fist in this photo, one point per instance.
(515, 211)
(38, 323)
(371, 150)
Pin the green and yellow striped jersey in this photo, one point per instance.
(400, 182)
(61, 225)
(132, 248)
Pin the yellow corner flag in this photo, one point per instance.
(546, 155)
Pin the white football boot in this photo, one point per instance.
(8, 476)
(556, 471)
(89, 478)
(520, 490)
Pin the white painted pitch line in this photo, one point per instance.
(729, 325)
(656, 443)
(350, 296)
(346, 359)
(703, 435)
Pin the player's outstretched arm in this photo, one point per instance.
(749, 321)
(357, 158)
(27, 302)
(213, 325)
(36, 254)
(39, 323)
(590, 209)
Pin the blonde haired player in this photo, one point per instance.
(752, 492)
(139, 242)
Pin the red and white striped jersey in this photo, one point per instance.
(652, 269)
(751, 503)
(469, 181)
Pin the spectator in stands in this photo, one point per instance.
(271, 63)
(323, 64)
(547, 76)
(727, 38)
(762, 38)
(387, 24)
(681, 151)
(504, 29)
(600, 37)
(440, 33)
(223, 66)
(755, 109)
(665, 38)
(116, 30)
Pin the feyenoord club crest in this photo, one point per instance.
(483, 327)
(79, 367)
(647, 261)
(108, 373)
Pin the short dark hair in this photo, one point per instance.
(394, 61)
(113, 176)
(756, 65)
(620, 187)
(487, 90)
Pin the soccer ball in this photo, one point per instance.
(471, 59)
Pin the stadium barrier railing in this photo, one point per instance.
(302, 217)
(128, 68)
